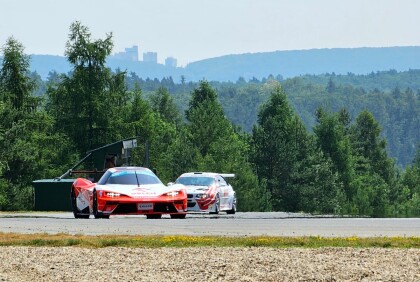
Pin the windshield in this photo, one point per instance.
(195, 181)
(131, 177)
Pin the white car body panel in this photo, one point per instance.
(227, 195)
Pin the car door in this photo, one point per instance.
(223, 192)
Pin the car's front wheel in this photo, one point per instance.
(76, 212)
(233, 210)
(216, 205)
(97, 214)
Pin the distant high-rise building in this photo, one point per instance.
(170, 62)
(150, 57)
(130, 54)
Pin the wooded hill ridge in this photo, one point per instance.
(259, 65)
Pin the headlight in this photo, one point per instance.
(112, 194)
(172, 194)
(205, 196)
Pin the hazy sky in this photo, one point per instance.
(191, 30)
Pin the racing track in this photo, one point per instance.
(240, 224)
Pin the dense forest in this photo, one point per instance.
(392, 97)
(317, 144)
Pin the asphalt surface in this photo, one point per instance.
(240, 224)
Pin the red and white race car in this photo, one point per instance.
(127, 190)
(209, 192)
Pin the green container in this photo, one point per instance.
(52, 194)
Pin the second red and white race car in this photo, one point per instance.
(209, 192)
(128, 191)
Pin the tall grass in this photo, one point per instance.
(180, 241)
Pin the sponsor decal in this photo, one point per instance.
(81, 202)
(143, 192)
(141, 189)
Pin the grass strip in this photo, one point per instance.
(180, 241)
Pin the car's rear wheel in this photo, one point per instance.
(178, 216)
(153, 216)
(97, 214)
(76, 212)
(216, 205)
(233, 210)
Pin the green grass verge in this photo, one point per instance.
(180, 241)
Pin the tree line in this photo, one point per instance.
(339, 167)
(392, 97)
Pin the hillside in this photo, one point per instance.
(285, 63)
(316, 61)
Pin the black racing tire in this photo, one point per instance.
(233, 210)
(84, 214)
(97, 214)
(217, 205)
(178, 216)
(153, 216)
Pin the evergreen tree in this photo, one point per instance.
(162, 103)
(139, 120)
(16, 85)
(207, 122)
(279, 141)
(220, 149)
(86, 102)
(180, 156)
(370, 147)
(15, 108)
(332, 138)
(317, 182)
(408, 201)
(375, 174)
(29, 147)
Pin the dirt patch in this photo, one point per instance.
(208, 264)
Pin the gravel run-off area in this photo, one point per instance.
(207, 264)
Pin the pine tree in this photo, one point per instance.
(162, 103)
(29, 147)
(370, 147)
(375, 173)
(333, 139)
(86, 102)
(279, 142)
(220, 149)
(15, 84)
